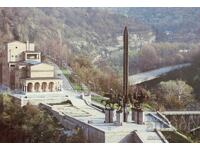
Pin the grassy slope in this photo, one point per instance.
(176, 137)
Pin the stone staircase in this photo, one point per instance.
(118, 137)
(155, 121)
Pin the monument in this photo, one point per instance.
(125, 73)
(123, 101)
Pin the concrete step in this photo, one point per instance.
(149, 137)
(153, 141)
(118, 137)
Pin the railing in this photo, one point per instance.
(162, 137)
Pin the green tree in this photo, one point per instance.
(29, 124)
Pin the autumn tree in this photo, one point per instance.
(174, 94)
(148, 58)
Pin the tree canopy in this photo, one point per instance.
(175, 94)
(29, 124)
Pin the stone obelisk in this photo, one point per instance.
(125, 73)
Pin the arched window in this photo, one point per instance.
(44, 86)
(37, 86)
(51, 86)
(30, 87)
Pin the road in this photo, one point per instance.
(153, 74)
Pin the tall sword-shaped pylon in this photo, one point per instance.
(125, 73)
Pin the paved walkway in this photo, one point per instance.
(59, 74)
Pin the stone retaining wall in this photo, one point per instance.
(91, 134)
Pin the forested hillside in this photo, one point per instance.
(60, 30)
(90, 39)
(169, 24)
(75, 36)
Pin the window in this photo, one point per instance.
(31, 56)
(16, 47)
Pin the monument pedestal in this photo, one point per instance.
(134, 114)
(109, 114)
(138, 116)
(126, 115)
(119, 118)
(140, 119)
